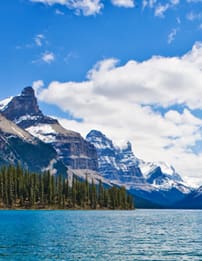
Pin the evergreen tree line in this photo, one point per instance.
(20, 188)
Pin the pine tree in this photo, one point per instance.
(20, 188)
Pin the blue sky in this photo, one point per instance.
(79, 41)
(86, 56)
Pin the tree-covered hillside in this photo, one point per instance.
(22, 189)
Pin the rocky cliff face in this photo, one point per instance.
(40, 142)
(17, 145)
(156, 182)
(72, 149)
(116, 164)
(24, 110)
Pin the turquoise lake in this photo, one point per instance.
(101, 235)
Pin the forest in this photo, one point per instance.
(21, 189)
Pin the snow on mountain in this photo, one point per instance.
(163, 176)
(26, 118)
(116, 164)
(72, 149)
(199, 191)
(148, 167)
(9, 127)
(4, 103)
(192, 201)
(156, 181)
(44, 132)
(17, 145)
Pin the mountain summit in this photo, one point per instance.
(24, 110)
(39, 142)
(23, 104)
(17, 145)
(72, 149)
(156, 182)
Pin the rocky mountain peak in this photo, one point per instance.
(127, 148)
(23, 104)
(28, 91)
(115, 163)
(99, 139)
(24, 110)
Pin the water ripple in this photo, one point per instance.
(101, 235)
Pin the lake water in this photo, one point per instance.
(101, 235)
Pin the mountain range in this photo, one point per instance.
(156, 182)
(38, 142)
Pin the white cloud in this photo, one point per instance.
(172, 35)
(178, 20)
(59, 12)
(37, 85)
(119, 100)
(48, 57)
(175, 2)
(194, 16)
(148, 3)
(161, 9)
(39, 39)
(124, 3)
(86, 7)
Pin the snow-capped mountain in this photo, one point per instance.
(116, 164)
(72, 149)
(40, 142)
(163, 176)
(17, 145)
(192, 200)
(157, 182)
(4, 103)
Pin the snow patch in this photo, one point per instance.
(51, 168)
(4, 103)
(44, 132)
(25, 118)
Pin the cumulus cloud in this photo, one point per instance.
(121, 101)
(48, 57)
(86, 7)
(123, 3)
(37, 85)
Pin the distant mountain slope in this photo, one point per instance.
(192, 201)
(115, 164)
(72, 149)
(40, 142)
(18, 146)
(145, 180)
(162, 176)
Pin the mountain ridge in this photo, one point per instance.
(122, 167)
(152, 183)
(72, 149)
